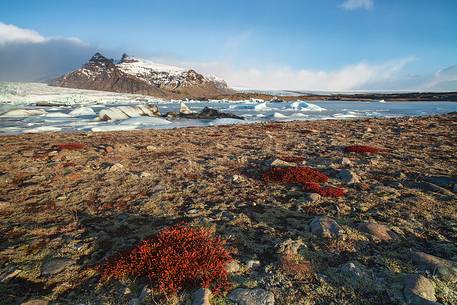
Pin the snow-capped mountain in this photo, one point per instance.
(136, 75)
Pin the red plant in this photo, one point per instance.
(362, 149)
(70, 146)
(327, 191)
(177, 257)
(297, 174)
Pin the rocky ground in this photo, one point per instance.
(392, 239)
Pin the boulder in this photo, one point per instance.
(326, 227)
(441, 267)
(376, 230)
(419, 290)
(56, 265)
(257, 296)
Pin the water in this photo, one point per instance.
(57, 119)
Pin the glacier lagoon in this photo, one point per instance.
(77, 110)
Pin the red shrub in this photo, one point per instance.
(70, 146)
(294, 175)
(327, 191)
(177, 257)
(362, 149)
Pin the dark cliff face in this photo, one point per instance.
(101, 73)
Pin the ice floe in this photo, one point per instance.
(23, 112)
(43, 129)
(145, 120)
(226, 121)
(304, 106)
(82, 111)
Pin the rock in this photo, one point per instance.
(237, 178)
(116, 167)
(427, 187)
(233, 266)
(443, 181)
(56, 265)
(326, 227)
(209, 113)
(441, 267)
(281, 163)
(419, 290)
(348, 176)
(109, 149)
(145, 175)
(312, 197)
(253, 263)
(355, 274)
(183, 109)
(134, 301)
(256, 296)
(201, 297)
(346, 161)
(377, 230)
(151, 148)
(289, 247)
(36, 302)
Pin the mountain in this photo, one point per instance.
(140, 76)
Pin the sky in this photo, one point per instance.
(308, 45)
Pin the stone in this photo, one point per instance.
(326, 227)
(151, 148)
(56, 265)
(36, 302)
(253, 263)
(116, 167)
(438, 266)
(289, 247)
(109, 149)
(346, 161)
(183, 109)
(348, 176)
(281, 163)
(419, 290)
(443, 181)
(257, 296)
(201, 297)
(355, 274)
(145, 175)
(233, 266)
(376, 230)
(312, 197)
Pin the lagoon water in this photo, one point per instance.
(19, 113)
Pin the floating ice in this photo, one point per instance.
(112, 127)
(226, 121)
(56, 115)
(43, 129)
(82, 111)
(125, 112)
(145, 120)
(250, 106)
(304, 106)
(24, 112)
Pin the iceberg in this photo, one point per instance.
(82, 111)
(304, 106)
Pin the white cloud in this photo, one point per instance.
(357, 4)
(12, 34)
(350, 77)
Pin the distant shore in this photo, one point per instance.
(388, 97)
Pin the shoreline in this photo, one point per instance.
(70, 200)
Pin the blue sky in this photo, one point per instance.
(326, 44)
